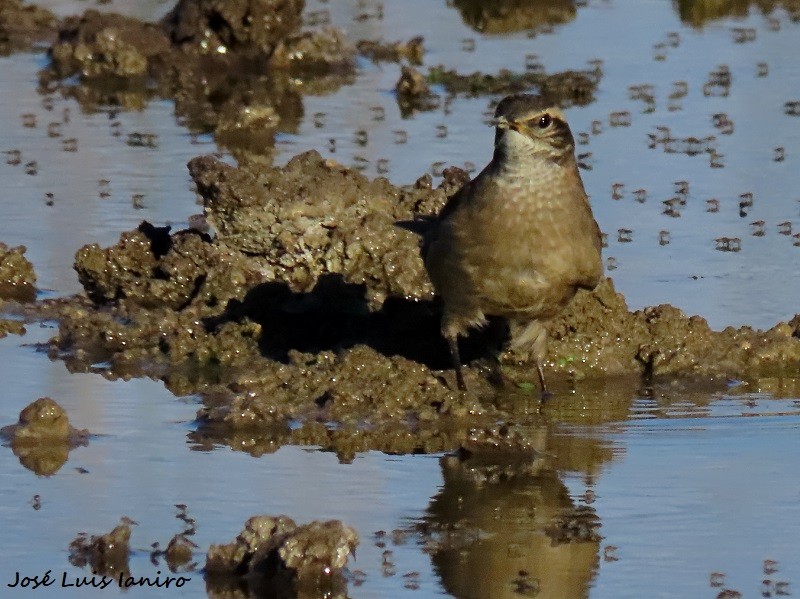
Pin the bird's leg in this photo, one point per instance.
(539, 351)
(532, 335)
(452, 342)
(542, 384)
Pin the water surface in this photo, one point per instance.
(684, 483)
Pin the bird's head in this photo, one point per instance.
(529, 126)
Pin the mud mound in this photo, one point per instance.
(310, 305)
(17, 277)
(309, 257)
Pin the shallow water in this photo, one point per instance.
(685, 483)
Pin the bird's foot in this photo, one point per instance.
(500, 379)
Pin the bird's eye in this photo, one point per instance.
(544, 121)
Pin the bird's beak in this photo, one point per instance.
(500, 122)
(503, 123)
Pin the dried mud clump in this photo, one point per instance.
(276, 555)
(313, 217)
(148, 267)
(17, 277)
(152, 292)
(106, 554)
(43, 421)
(303, 260)
(43, 436)
(597, 333)
(17, 283)
(22, 26)
(386, 403)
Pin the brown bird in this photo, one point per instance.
(519, 240)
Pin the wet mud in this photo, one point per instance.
(310, 304)
(17, 277)
(271, 556)
(11, 327)
(43, 437)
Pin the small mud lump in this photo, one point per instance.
(43, 436)
(17, 278)
(276, 554)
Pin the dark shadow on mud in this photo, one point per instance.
(335, 315)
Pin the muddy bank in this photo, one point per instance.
(43, 437)
(309, 257)
(309, 304)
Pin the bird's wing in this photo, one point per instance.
(426, 226)
(453, 202)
